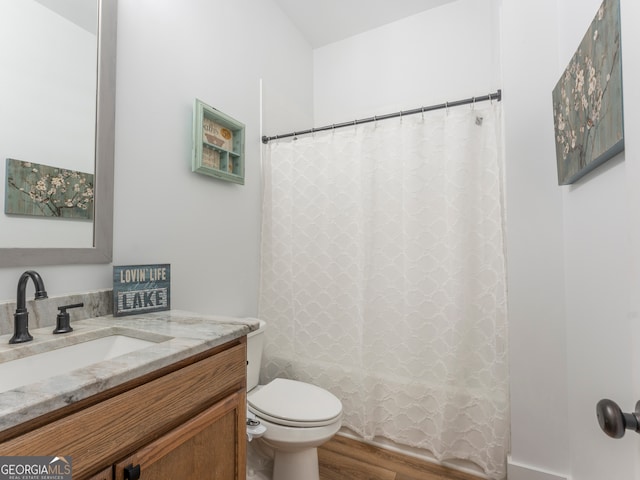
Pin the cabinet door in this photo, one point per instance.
(106, 474)
(212, 445)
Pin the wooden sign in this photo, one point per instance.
(141, 289)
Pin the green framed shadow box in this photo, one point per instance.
(218, 144)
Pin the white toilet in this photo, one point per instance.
(298, 416)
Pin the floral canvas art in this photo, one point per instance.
(42, 190)
(587, 100)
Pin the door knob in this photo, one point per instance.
(613, 421)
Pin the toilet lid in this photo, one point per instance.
(294, 403)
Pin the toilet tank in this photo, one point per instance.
(255, 345)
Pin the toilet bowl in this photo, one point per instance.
(298, 416)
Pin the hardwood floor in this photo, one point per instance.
(343, 458)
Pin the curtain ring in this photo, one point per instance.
(446, 107)
(473, 106)
(422, 113)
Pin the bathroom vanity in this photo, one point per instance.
(173, 409)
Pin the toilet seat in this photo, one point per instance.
(295, 404)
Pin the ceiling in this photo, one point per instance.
(321, 22)
(81, 12)
(327, 21)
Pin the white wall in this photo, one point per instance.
(601, 248)
(169, 53)
(215, 51)
(539, 436)
(573, 267)
(447, 53)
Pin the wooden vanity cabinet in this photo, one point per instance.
(187, 421)
(199, 449)
(106, 474)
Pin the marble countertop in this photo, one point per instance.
(178, 334)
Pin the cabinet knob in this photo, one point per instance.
(132, 472)
(613, 421)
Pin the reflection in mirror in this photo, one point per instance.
(59, 80)
(48, 115)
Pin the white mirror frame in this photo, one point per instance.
(102, 250)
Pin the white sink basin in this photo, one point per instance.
(40, 366)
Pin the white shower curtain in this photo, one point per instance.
(383, 278)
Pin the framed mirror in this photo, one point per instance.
(94, 133)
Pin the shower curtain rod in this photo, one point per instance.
(491, 96)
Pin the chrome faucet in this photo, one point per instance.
(21, 317)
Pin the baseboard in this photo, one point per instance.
(517, 471)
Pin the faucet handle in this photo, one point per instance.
(63, 323)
